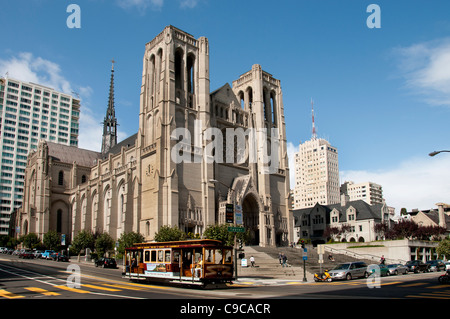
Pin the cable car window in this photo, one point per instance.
(160, 256)
(153, 256)
(176, 256)
(228, 256)
(198, 256)
(167, 256)
(218, 256)
(147, 256)
(209, 255)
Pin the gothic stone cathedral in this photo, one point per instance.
(140, 184)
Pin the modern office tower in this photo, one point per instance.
(29, 112)
(369, 192)
(316, 172)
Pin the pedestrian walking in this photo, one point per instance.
(284, 260)
(252, 261)
(280, 258)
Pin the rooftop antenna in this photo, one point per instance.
(314, 134)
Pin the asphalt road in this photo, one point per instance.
(46, 280)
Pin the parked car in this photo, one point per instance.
(417, 265)
(447, 265)
(60, 257)
(396, 269)
(349, 270)
(47, 254)
(17, 252)
(38, 253)
(436, 265)
(384, 270)
(106, 263)
(3, 250)
(26, 254)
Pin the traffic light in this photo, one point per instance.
(302, 243)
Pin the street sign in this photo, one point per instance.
(305, 257)
(229, 213)
(305, 254)
(236, 229)
(320, 249)
(238, 215)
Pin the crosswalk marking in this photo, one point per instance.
(123, 287)
(414, 284)
(100, 288)
(77, 290)
(9, 295)
(42, 291)
(439, 287)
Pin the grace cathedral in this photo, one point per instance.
(136, 185)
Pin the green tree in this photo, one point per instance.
(221, 232)
(52, 240)
(84, 239)
(128, 239)
(443, 249)
(31, 240)
(167, 233)
(103, 244)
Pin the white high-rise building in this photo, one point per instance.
(316, 174)
(369, 192)
(28, 113)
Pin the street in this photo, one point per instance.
(39, 279)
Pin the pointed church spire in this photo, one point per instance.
(110, 122)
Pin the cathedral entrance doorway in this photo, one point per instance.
(250, 215)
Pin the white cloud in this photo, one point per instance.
(188, 3)
(415, 183)
(26, 67)
(141, 4)
(426, 69)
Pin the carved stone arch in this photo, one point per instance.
(94, 209)
(149, 128)
(25, 227)
(107, 197)
(244, 193)
(60, 217)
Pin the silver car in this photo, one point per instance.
(396, 269)
(349, 270)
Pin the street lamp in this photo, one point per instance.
(437, 152)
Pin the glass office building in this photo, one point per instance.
(29, 112)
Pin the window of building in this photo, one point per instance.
(61, 178)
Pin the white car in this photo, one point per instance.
(447, 265)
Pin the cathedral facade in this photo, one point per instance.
(195, 152)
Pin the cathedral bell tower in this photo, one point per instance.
(109, 138)
(175, 96)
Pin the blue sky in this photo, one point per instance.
(382, 96)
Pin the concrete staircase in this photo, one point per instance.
(268, 265)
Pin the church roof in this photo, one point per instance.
(128, 142)
(70, 154)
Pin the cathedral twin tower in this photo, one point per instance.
(139, 185)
